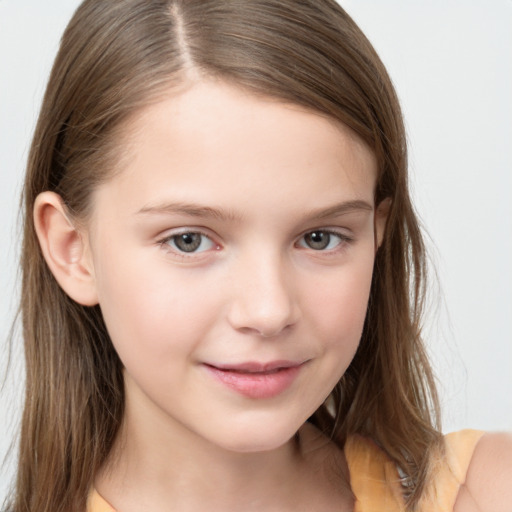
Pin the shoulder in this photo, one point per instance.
(489, 476)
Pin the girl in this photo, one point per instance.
(223, 274)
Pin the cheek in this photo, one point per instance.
(340, 305)
(151, 311)
(336, 308)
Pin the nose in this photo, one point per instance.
(264, 300)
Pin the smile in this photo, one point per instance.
(256, 380)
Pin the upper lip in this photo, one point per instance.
(256, 367)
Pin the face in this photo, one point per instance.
(232, 258)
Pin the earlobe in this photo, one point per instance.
(380, 220)
(64, 249)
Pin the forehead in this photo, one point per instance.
(215, 140)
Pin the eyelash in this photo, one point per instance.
(166, 242)
(343, 240)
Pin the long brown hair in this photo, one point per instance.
(114, 58)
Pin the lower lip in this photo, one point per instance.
(256, 385)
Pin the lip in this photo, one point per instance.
(256, 380)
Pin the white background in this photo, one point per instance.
(451, 61)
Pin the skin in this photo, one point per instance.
(488, 481)
(255, 177)
(253, 292)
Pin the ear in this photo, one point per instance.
(65, 249)
(379, 221)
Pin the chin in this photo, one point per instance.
(258, 437)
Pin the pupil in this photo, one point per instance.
(188, 242)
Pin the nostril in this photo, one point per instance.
(270, 334)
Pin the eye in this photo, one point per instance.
(189, 242)
(322, 240)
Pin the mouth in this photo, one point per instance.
(257, 380)
(255, 367)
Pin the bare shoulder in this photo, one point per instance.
(488, 486)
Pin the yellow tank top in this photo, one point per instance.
(376, 483)
(375, 480)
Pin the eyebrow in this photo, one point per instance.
(340, 209)
(197, 210)
(191, 210)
